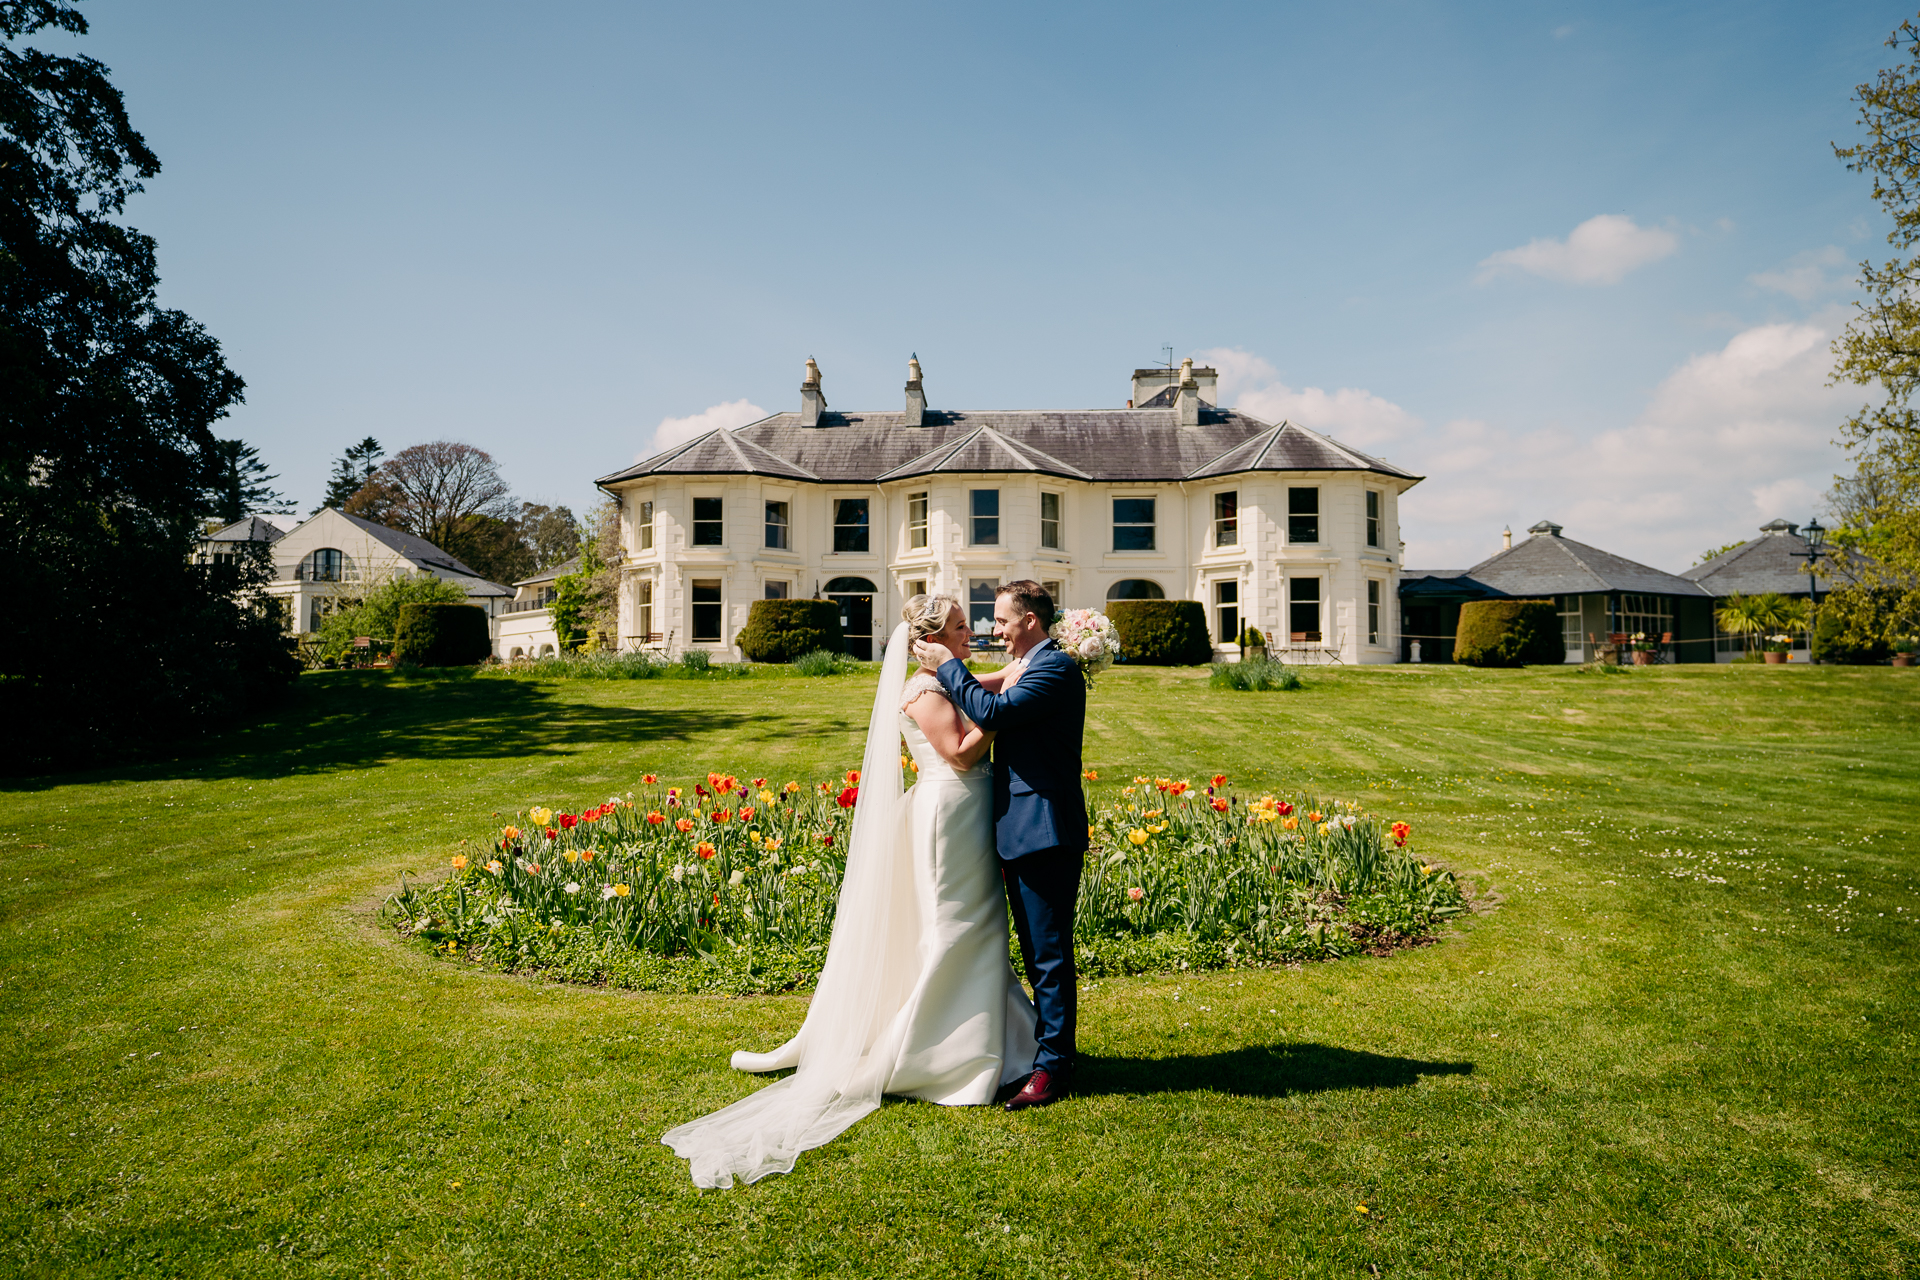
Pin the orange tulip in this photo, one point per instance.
(649, 779)
(853, 777)
(705, 850)
(722, 815)
(746, 813)
(459, 862)
(683, 824)
(1218, 780)
(655, 818)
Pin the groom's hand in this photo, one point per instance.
(931, 654)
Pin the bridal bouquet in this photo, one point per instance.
(1090, 637)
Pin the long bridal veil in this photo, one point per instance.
(843, 1064)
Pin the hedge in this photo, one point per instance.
(1509, 633)
(1161, 633)
(782, 630)
(442, 635)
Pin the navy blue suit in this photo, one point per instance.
(1039, 823)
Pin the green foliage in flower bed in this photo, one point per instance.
(823, 662)
(1255, 675)
(744, 879)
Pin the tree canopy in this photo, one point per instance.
(107, 452)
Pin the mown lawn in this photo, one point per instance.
(1681, 1043)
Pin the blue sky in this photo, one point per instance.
(1577, 261)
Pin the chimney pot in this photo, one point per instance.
(1187, 400)
(1506, 538)
(916, 394)
(812, 402)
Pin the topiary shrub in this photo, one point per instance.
(442, 635)
(1509, 633)
(1161, 633)
(782, 630)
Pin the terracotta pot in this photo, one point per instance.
(1641, 658)
(1902, 659)
(1776, 657)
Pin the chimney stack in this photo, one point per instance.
(916, 394)
(1506, 538)
(812, 403)
(1187, 404)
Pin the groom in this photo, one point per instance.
(1039, 812)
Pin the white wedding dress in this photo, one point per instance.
(917, 997)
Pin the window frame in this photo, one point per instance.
(694, 606)
(975, 518)
(1374, 594)
(783, 526)
(1226, 528)
(1293, 516)
(1152, 526)
(918, 526)
(858, 532)
(695, 521)
(776, 589)
(1050, 525)
(1223, 607)
(1294, 603)
(975, 603)
(643, 525)
(1374, 510)
(643, 608)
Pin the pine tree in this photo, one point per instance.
(240, 483)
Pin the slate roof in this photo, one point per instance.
(1079, 444)
(1443, 582)
(560, 570)
(251, 529)
(420, 551)
(1767, 563)
(1547, 564)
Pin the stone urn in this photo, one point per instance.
(1773, 657)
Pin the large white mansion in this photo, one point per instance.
(1274, 527)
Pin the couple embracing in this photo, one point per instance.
(916, 997)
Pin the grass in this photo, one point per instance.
(1683, 1044)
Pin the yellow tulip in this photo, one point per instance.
(1137, 836)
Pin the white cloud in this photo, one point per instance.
(1804, 276)
(1727, 441)
(1599, 251)
(673, 431)
(1352, 415)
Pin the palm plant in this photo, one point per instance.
(1744, 616)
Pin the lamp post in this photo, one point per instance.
(1816, 537)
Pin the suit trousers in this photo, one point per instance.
(1042, 888)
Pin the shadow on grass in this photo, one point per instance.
(1257, 1071)
(347, 720)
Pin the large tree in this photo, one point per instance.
(1876, 550)
(440, 484)
(107, 454)
(351, 471)
(240, 484)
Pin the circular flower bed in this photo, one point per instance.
(730, 884)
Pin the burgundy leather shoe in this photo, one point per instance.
(1042, 1089)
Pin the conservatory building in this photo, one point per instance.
(1270, 526)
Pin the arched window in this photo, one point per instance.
(328, 564)
(1135, 589)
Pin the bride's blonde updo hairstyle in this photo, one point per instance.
(925, 615)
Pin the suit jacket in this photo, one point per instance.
(1037, 800)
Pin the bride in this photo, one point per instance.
(917, 996)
